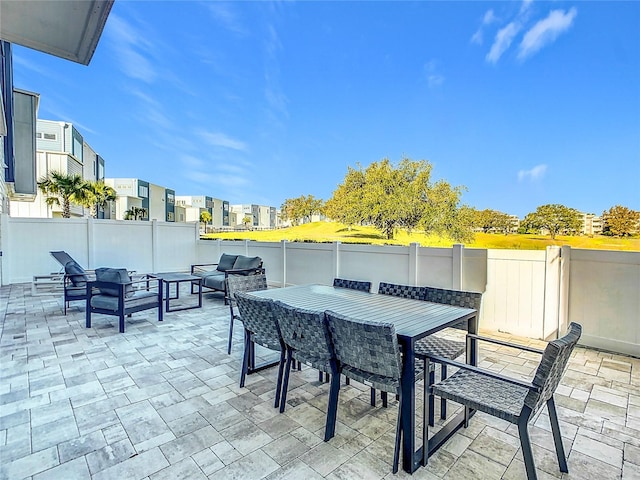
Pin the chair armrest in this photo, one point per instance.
(481, 371)
(506, 344)
(198, 267)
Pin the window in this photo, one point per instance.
(38, 135)
(170, 198)
(170, 216)
(50, 136)
(143, 191)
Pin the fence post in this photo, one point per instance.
(154, 245)
(5, 248)
(563, 302)
(457, 266)
(551, 293)
(283, 259)
(413, 263)
(90, 243)
(336, 260)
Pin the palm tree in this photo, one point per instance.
(63, 189)
(205, 217)
(98, 196)
(135, 213)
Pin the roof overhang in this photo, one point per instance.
(68, 29)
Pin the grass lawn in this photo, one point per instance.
(333, 232)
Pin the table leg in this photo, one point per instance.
(408, 408)
(166, 309)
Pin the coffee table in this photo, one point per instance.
(177, 278)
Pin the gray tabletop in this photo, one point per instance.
(413, 319)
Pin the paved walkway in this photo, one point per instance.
(162, 401)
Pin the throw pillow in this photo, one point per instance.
(76, 273)
(226, 262)
(114, 275)
(247, 263)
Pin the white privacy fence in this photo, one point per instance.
(528, 293)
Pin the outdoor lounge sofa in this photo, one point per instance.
(215, 278)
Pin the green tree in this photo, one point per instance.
(491, 221)
(620, 221)
(135, 213)
(63, 189)
(554, 218)
(402, 196)
(300, 208)
(247, 220)
(205, 217)
(97, 195)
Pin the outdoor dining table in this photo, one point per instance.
(413, 320)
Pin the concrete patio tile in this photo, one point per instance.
(324, 458)
(584, 467)
(470, 464)
(191, 443)
(78, 447)
(208, 461)
(517, 471)
(137, 466)
(110, 455)
(294, 471)
(362, 465)
(285, 449)
(630, 471)
(186, 469)
(30, 465)
(255, 466)
(597, 448)
(75, 469)
(246, 437)
(50, 434)
(496, 445)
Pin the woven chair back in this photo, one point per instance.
(305, 332)
(352, 284)
(404, 291)
(259, 320)
(366, 346)
(245, 283)
(552, 366)
(457, 298)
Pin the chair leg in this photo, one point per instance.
(425, 423)
(396, 450)
(320, 377)
(279, 381)
(245, 357)
(383, 396)
(332, 407)
(121, 323)
(230, 336)
(285, 382)
(432, 403)
(373, 397)
(443, 401)
(525, 443)
(557, 438)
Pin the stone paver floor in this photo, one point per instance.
(162, 401)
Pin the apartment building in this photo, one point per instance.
(142, 199)
(59, 146)
(592, 224)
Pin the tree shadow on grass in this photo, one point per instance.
(372, 236)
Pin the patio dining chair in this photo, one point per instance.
(510, 399)
(369, 352)
(444, 347)
(74, 281)
(261, 328)
(398, 290)
(306, 336)
(241, 283)
(352, 284)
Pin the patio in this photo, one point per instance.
(162, 401)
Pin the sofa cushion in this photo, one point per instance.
(76, 273)
(215, 281)
(226, 262)
(109, 302)
(114, 275)
(246, 263)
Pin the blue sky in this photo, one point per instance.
(524, 103)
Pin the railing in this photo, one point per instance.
(529, 293)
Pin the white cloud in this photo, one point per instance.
(546, 31)
(219, 139)
(489, 18)
(227, 17)
(127, 43)
(536, 173)
(434, 78)
(503, 40)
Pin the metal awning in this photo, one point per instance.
(65, 28)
